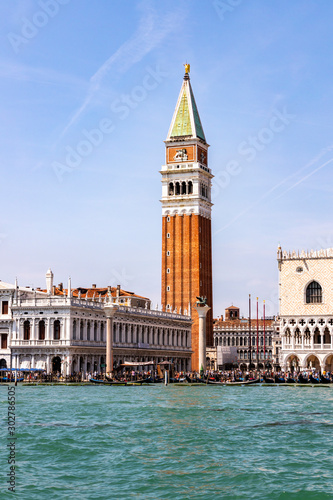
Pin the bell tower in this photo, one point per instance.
(186, 216)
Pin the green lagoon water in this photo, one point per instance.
(157, 442)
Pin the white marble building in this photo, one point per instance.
(306, 309)
(65, 330)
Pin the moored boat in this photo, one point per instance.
(325, 380)
(314, 380)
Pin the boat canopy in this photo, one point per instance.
(139, 363)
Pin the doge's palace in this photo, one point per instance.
(306, 309)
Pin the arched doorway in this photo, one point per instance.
(56, 364)
(329, 363)
(3, 363)
(313, 362)
(293, 363)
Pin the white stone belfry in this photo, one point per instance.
(202, 312)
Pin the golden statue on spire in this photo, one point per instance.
(187, 68)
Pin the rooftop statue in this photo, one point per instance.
(202, 301)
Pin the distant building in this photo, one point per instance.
(64, 330)
(231, 338)
(306, 309)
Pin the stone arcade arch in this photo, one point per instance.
(312, 361)
(292, 362)
(328, 363)
(56, 364)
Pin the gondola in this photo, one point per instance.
(195, 380)
(302, 380)
(314, 380)
(325, 380)
(291, 380)
(269, 380)
(279, 380)
(106, 382)
(245, 382)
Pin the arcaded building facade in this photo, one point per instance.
(306, 309)
(232, 340)
(64, 330)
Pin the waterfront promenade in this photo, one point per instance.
(157, 442)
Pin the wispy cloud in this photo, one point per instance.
(151, 30)
(281, 183)
(47, 76)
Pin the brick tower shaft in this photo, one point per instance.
(186, 217)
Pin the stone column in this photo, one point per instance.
(110, 310)
(312, 339)
(47, 332)
(33, 331)
(69, 365)
(202, 312)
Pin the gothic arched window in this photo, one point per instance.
(314, 293)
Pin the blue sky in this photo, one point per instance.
(103, 78)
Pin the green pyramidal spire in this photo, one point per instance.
(186, 121)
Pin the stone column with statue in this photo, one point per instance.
(202, 309)
(110, 311)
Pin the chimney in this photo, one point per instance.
(49, 281)
(53, 290)
(118, 290)
(61, 286)
(93, 285)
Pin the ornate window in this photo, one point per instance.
(41, 330)
(26, 330)
(56, 330)
(314, 293)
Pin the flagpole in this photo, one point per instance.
(257, 335)
(250, 349)
(264, 338)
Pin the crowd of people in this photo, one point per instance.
(223, 376)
